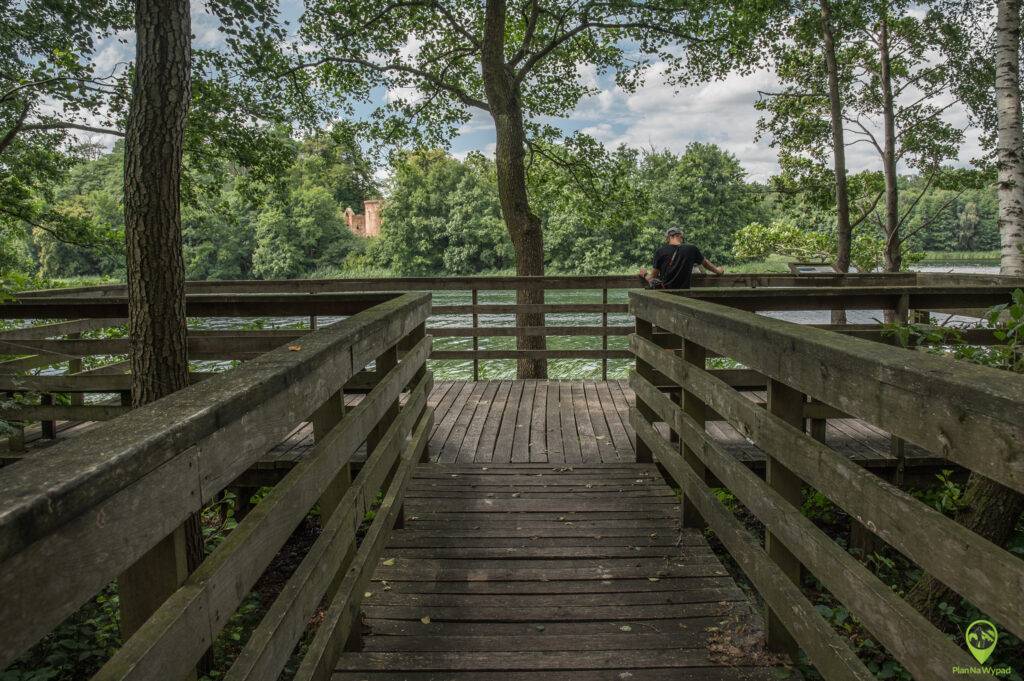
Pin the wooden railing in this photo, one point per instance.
(63, 399)
(756, 288)
(968, 414)
(111, 505)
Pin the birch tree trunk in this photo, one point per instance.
(505, 104)
(990, 509)
(1010, 140)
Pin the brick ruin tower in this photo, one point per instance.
(366, 223)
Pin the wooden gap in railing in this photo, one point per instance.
(476, 339)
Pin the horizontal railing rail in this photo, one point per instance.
(111, 504)
(60, 342)
(966, 414)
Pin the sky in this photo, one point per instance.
(655, 116)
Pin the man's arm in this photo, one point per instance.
(654, 273)
(708, 265)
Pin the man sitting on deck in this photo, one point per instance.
(674, 262)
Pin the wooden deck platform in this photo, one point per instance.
(540, 571)
(536, 421)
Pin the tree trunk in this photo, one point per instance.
(154, 137)
(152, 191)
(992, 511)
(504, 101)
(893, 256)
(843, 230)
(1010, 139)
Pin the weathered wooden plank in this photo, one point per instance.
(731, 673)
(826, 650)
(554, 447)
(546, 642)
(268, 648)
(446, 452)
(477, 602)
(511, 552)
(343, 612)
(494, 331)
(178, 633)
(506, 432)
(588, 442)
(57, 329)
(523, 420)
(546, 308)
(968, 413)
(453, 443)
(200, 305)
(467, 453)
(657, 504)
(55, 412)
(552, 612)
(487, 443)
(567, 416)
(538, 424)
(511, 540)
(518, 354)
(93, 493)
(969, 563)
(508, 661)
(691, 629)
(605, 446)
(909, 636)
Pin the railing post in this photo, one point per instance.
(49, 428)
(144, 586)
(604, 333)
(476, 339)
(328, 415)
(644, 370)
(75, 366)
(694, 408)
(788, 404)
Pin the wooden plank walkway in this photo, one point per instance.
(536, 421)
(588, 422)
(550, 572)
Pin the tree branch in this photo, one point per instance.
(13, 132)
(72, 126)
(867, 211)
(440, 84)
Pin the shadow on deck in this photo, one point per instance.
(541, 571)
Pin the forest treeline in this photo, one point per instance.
(602, 211)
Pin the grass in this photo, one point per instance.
(960, 256)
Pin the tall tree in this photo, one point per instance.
(154, 140)
(844, 229)
(807, 119)
(1010, 138)
(989, 508)
(515, 61)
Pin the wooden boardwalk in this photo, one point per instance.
(535, 421)
(516, 571)
(588, 422)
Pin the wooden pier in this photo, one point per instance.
(505, 529)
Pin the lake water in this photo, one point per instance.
(567, 368)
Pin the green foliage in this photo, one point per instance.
(1006, 322)
(77, 648)
(757, 241)
(442, 215)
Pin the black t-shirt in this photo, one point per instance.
(675, 264)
